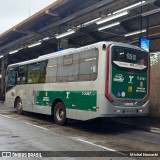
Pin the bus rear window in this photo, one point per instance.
(129, 58)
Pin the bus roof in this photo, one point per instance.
(70, 51)
(40, 58)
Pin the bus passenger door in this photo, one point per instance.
(10, 87)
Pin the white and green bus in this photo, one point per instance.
(105, 79)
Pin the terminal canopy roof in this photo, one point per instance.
(87, 19)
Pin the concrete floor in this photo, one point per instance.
(36, 132)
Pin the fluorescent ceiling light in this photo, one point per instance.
(65, 34)
(46, 38)
(136, 32)
(109, 26)
(113, 16)
(35, 44)
(89, 22)
(12, 52)
(1, 56)
(129, 7)
(15, 51)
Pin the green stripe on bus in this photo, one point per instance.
(80, 100)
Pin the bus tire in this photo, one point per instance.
(19, 106)
(60, 114)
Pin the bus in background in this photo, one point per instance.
(105, 79)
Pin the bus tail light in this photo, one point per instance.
(116, 111)
(110, 98)
(107, 76)
(142, 110)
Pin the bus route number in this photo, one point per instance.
(131, 56)
(86, 93)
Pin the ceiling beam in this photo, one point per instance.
(71, 17)
(54, 14)
(25, 32)
(87, 32)
(78, 14)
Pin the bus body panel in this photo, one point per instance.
(134, 84)
(49, 92)
(83, 100)
(109, 110)
(10, 98)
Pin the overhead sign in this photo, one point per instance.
(144, 43)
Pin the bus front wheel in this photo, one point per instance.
(60, 114)
(19, 106)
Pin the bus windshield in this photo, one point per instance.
(129, 58)
(11, 78)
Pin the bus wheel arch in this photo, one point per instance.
(59, 112)
(18, 105)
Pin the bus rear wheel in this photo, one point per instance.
(19, 106)
(60, 114)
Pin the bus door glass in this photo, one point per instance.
(11, 78)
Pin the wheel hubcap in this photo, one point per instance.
(60, 113)
(19, 106)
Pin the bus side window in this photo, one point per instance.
(51, 70)
(85, 66)
(37, 72)
(73, 74)
(65, 69)
(79, 66)
(22, 75)
(88, 65)
(94, 68)
(61, 71)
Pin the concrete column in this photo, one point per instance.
(62, 43)
(4, 64)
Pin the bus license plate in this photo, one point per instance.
(130, 111)
(128, 104)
